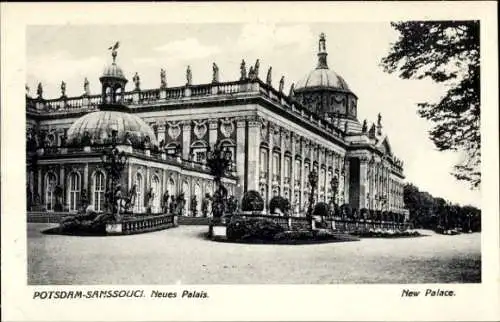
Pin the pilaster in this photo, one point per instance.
(363, 173)
(254, 126)
(240, 152)
(186, 139)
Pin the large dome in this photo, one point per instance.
(100, 125)
(323, 77)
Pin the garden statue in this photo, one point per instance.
(84, 200)
(165, 201)
(163, 78)
(181, 202)
(269, 76)
(172, 205)
(194, 205)
(204, 205)
(137, 81)
(189, 76)
(58, 192)
(150, 195)
(86, 89)
(215, 73)
(243, 70)
(232, 205)
(282, 84)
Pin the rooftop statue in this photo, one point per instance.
(251, 73)
(282, 84)
(86, 89)
(189, 76)
(113, 50)
(292, 90)
(256, 69)
(27, 90)
(365, 127)
(269, 77)
(243, 70)
(137, 82)
(215, 73)
(163, 78)
(63, 89)
(322, 43)
(346, 127)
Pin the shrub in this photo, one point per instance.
(252, 229)
(252, 201)
(280, 203)
(321, 209)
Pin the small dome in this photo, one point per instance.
(100, 125)
(323, 77)
(114, 71)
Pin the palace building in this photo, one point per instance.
(275, 139)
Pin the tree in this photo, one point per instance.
(446, 52)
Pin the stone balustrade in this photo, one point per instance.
(147, 223)
(143, 98)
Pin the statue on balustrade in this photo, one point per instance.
(39, 90)
(86, 87)
(189, 76)
(365, 127)
(215, 73)
(165, 202)
(256, 69)
(63, 89)
(251, 73)
(269, 80)
(64, 138)
(346, 127)
(282, 84)
(243, 70)
(292, 90)
(163, 78)
(137, 81)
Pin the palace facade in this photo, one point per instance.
(275, 139)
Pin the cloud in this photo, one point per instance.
(187, 49)
(52, 68)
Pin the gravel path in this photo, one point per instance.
(182, 256)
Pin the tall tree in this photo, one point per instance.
(446, 52)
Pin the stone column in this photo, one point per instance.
(252, 179)
(347, 176)
(270, 165)
(292, 175)
(282, 162)
(39, 186)
(186, 139)
(363, 172)
(64, 198)
(302, 170)
(86, 179)
(240, 152)
(213, 125)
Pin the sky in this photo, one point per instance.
(71, 53)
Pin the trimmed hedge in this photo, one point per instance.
(252, 201)
(240, 229)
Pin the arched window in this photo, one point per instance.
(99, 188)
(50, 185)
(140, 192)
(199, 151)
(74, 191)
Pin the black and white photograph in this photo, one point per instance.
(174, 154)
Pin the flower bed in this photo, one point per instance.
(379, 233)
